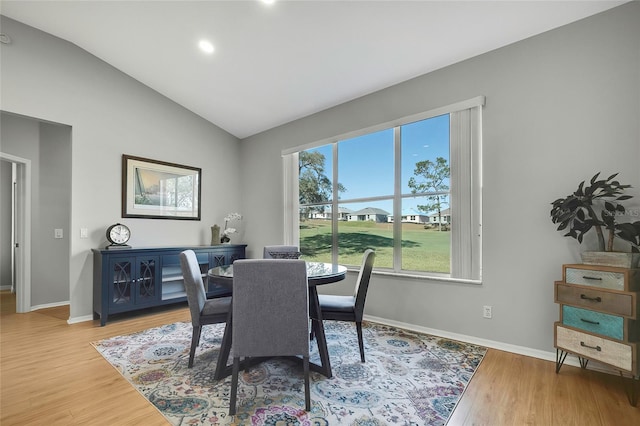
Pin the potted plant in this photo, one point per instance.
(226, 233)
(597, 206)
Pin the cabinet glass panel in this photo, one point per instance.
(218, 260)
(122, 282)
(146, 289)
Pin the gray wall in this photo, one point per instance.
(111, 114)
(560, 107)
(48, 146)
(6, 183)
(54, 205)
(21, 137)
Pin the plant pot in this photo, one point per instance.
(611, 258)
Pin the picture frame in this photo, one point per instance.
(154, 189)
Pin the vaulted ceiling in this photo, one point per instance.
(275, 63)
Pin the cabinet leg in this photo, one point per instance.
(583, 362)
(631, 389)
(560, 357)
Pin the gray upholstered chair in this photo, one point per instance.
(350, 308)
(281, 252)
(203, 311)
(270, 314)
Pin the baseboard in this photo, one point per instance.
(76, 320)
(50, 305)
(5, 287)
(520, 350)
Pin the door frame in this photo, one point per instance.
(23, 231)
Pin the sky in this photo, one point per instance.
(365, 163)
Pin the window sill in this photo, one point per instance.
(419, 276)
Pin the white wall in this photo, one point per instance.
(560, 107)
(112, 114)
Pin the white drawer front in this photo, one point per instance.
(617, 354)
(603, 279)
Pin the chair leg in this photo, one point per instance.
(307, 392)
(360, 341)
(195, 340)
(234, 385)
(199, 335)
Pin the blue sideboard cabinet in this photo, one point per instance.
(127, 280)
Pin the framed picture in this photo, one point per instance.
(155, 189)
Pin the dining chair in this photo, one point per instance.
(203, 311)
(270, 315)
(350, 308)
(281, 252)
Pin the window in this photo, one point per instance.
(410, 190)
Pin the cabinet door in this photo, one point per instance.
(146, 289)
(236, 254)
(121, 284)
(218, 258)
(133, 282)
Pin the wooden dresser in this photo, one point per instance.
(599, 312)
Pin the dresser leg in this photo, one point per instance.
(560, 357)
(583, 362)
(631, 389)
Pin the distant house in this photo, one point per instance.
(369, 214)
(445, 217)
(343, 213)
(411, 218)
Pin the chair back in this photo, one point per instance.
(270, 308)
(281, 252)
(196, 295)
(362, 284)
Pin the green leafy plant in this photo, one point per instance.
(630, 232)
(597, 207)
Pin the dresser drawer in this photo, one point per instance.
(602, 277)
(595, 322)
(619, 355)
(612, 302)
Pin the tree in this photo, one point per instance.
(314, 186)
(430, 177)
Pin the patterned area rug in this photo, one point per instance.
(408, 378)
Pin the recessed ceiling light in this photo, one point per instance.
(268, 1)
(206, 46)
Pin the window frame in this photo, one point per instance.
(465, 200)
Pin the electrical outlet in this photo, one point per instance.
(486, 311)
(84, 233)
(57, 233)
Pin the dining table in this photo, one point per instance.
(318, 273)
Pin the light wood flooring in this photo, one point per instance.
(51, 375)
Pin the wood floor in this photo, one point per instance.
(51, 375)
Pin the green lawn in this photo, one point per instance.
(422, 249)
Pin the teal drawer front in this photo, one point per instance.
(595, 322)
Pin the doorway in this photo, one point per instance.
(20, 241)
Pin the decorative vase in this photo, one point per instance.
(611, 258)
(215, 235)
